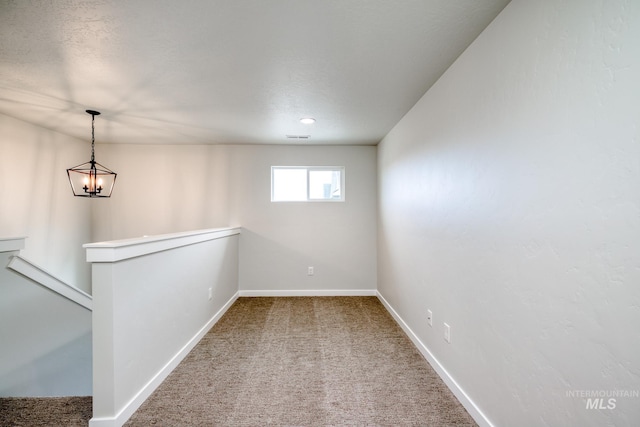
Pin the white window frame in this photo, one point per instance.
(310, 169)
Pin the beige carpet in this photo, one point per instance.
(45, 412)
(285, 362)
(304, 362)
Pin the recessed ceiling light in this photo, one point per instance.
(307, 120)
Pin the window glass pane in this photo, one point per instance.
(324, 184)
(289, 185)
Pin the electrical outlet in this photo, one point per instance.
(430, 318)
(210, 294)
(447, 333)
(310, 271)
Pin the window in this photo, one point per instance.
(307, 183)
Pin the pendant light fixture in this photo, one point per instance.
(91, 179)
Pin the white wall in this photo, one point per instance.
(196, 187)
(509, 204)
(162, 189)
(280, 240)
(36, 199)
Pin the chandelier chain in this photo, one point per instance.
(93, 139)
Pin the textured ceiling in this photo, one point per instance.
(228, 71)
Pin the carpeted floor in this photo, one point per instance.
(303, 361)
(307, 362)
(45, 412)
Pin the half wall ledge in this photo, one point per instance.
(118, 250)
(154, 298)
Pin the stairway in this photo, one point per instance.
(45, 330)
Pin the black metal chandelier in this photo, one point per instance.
(91, 179)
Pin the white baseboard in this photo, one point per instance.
(146, 391)
(309, 293)
(455, 388)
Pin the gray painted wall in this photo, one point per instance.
(46, 340)
(281, 240)
(36, 199)
(509, 205)
(198, 187)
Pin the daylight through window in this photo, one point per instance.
(307, 183)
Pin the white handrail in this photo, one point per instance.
(119, 250)
(42, 277)
(11, 244)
